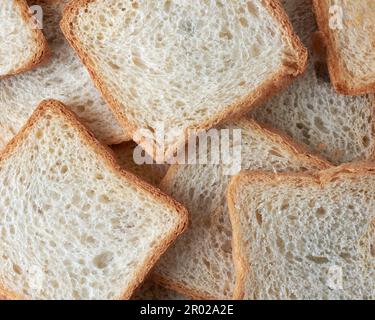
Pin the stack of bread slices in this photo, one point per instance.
(104, 104)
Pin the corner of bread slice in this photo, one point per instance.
(27, 40)
(295, 61)
(101, 219)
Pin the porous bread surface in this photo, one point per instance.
(340, 128)
(351, 43)
(178, 64)
(151, 173)
(63, 78)
(297, 233)
(200, 263)
(72, 225)
(22, 47)
(150, 290)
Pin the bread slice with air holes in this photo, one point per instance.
(148, 171)
(303, 236)
(167, 67)
(340, 128)
(200, 264)
(73, 224)
(62, 78)
(23, 46)
(348, 28)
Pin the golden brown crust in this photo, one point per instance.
(300, 152)
(42, 54)
(335, 64)
(277, 81)
(105, 153)
(319, 178)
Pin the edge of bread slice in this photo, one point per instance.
(38, 53)
(202, 190)
(52, 108)
(245, 279)
(294, 64)
(360, 22)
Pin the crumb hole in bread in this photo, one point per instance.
(102, 260)
(366, 141)
(39, 134)
(243, 22)
(99, 176)
(104, 199)
(64, 169)
(259, 217)
(167, 5)
(321, 211)
(253, 10)
(17, 269)
(317, 260)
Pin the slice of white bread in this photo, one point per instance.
(150, 290)
(340, 128)
(167, 67)
(200, 263)
(348, 28)
(63, 78)
(300, 236)
(151, 173)
(22, 45)
(74, 225)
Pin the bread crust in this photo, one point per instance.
(42, 53)
(106, 154)
(320, 179)
(334, 61)
(301, 153)
(272, 85)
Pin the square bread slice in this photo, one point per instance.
(340, 128)
(304, 236)
(63, 78)
(200, 264)
(348, 28)
(73, 224)
(150, 172)
(22, 45)
(170, 67)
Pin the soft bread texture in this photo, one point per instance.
(71, 220)
(339, 128)
(22, 46)
(350, 40)
(151, 173)
(177, 65)
(150, 290)
(200, 263)
(290, 231)
(63, 78)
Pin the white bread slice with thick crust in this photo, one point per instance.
(305, 236)
(200, 264)
(74, 225)
(348, 28)
(23, 46)
(182, 66)
(340, 128)
(150, 290)
(151, 173)
(63, 78)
